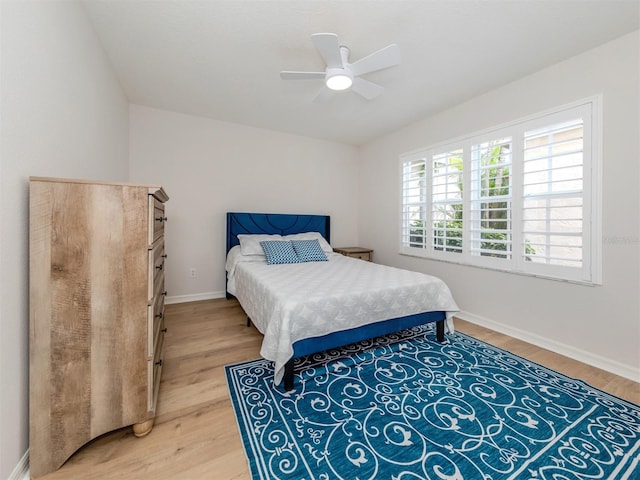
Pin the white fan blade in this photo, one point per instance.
(366, 88)
(327, 45)
(384, 58)
(324, 95)
(288, 75)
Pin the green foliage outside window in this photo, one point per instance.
(494, 182)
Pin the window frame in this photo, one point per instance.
(590, 271)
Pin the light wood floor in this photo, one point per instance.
(196, 436)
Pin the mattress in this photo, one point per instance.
(291, 302)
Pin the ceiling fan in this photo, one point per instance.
(342, 75)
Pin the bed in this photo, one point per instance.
(313, 306)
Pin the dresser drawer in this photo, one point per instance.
(156, 270)
(362, 256)
(154, 371)
(157, 358)
(156, 219)
(155, 320)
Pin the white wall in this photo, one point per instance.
(210, 167)
(62, 114)
(598, 324)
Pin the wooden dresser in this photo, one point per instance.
(96, 296)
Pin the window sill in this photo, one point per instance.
(503, 270)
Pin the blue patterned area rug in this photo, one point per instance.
(404, 407)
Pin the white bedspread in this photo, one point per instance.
(292, 302)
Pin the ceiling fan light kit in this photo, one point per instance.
(341, 75)
(338, 79)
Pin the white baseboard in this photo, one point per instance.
(194, 297)
(21, 471)
(583, 356)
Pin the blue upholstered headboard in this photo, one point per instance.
(272, 223)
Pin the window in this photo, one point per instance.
(490, 198)
(524, 197)
(446, 201)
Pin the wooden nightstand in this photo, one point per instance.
(356, 252)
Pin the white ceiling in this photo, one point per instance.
(221, 58)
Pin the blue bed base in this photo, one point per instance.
(288, 224)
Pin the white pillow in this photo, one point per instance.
(311, 236)
(250, 244)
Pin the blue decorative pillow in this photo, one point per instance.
(279, 252)
(309, 250)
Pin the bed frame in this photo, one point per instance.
(288, 224)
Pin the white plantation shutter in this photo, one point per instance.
(446, 201)
(552, 190)
(560, 197)
(413, 213)
(524, 198)
(490, 198)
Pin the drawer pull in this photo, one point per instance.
(159, 267)
(164, 330)
(158, 363)
(164, 294)
(161, 219)
(165, 255)
(159, 315)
